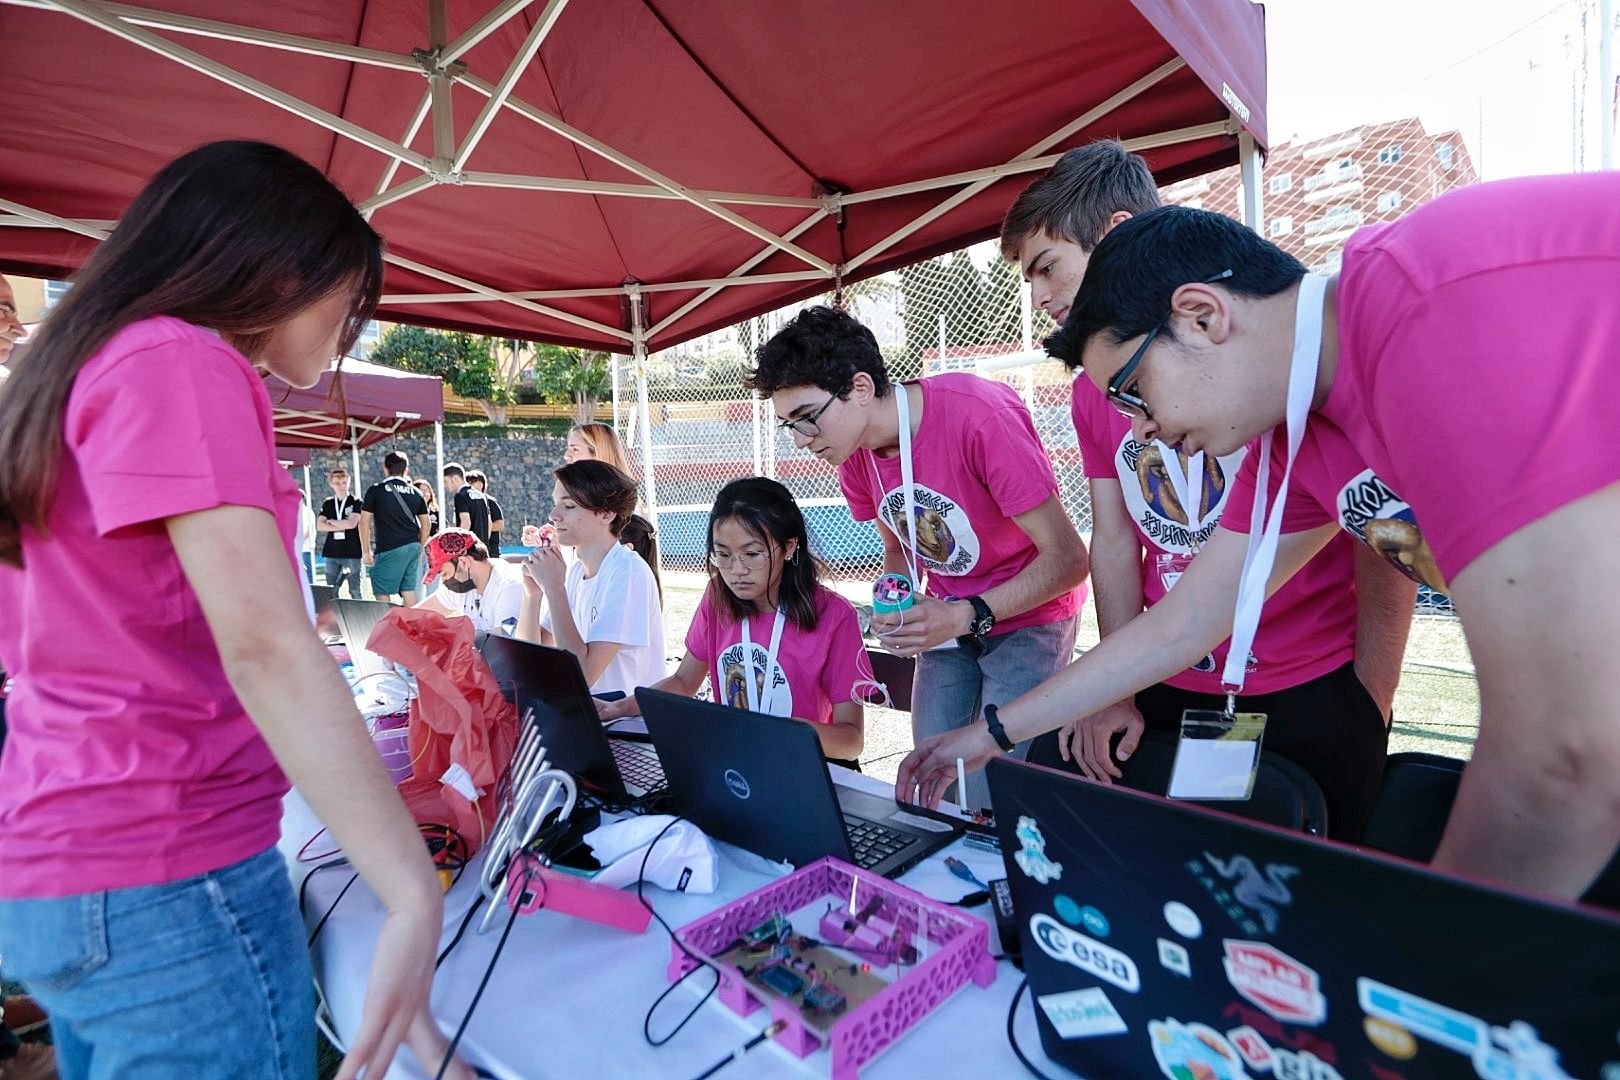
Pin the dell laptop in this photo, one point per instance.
(761, 782)
(550, 691)
(1162, 939)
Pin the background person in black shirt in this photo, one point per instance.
(399, 516)
(468, 508)
(338, 523)
(497, 520)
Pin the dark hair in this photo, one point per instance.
(639, 535)
(452, 469)
(238, 237)
(337, 470)
(766, 510)
(818, 347)
(1142, 262)
(395, 463)
(476, 476)
(1074, 201)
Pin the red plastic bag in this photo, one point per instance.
(458, 718)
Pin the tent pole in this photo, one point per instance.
(1249, 171)
(638, 343)
(354, 455)
(309, 496)
(438, 459)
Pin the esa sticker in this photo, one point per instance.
(1031, 858)
(1089, 955)
(1174, 957)
(1183, 920)
(1082, 1014)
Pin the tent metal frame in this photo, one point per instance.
(441, 62)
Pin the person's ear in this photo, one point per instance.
(862, 390)
(1201, 314)
(790, 553)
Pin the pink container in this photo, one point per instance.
(958, 952)
(392, 736)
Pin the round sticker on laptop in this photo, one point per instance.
(1183, 920)
(1067, 910)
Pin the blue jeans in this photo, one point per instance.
(204, 977)
(953, 685)
(338, 569)
(308, 559)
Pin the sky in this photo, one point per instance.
(1505, 73)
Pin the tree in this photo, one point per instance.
(965, 323)
(466, 362)
(577, 377)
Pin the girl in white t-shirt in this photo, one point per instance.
(766, 619)
(605, 606)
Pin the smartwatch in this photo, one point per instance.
(997, 732)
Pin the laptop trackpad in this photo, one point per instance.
(886, 811)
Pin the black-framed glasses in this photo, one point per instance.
(806, 425)
(1119, 387)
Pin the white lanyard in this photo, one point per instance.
(755, 704)
(1188, 485)
(908, 485)
(1265, 531)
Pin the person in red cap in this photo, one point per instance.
(487, 591)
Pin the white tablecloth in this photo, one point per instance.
(567, 997)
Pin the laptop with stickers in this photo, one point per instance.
(761, 782)
(1167, 940)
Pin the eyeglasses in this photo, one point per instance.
(1119, 387)
(751, 560)
(806, 425)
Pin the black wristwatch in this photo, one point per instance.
(983, 621)
(997, 732)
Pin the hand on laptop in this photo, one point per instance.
(931, 768)
(1091, 738)
(610, 711)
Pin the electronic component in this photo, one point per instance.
(824, 998)
(782, 980)
(772, 929)
(1001, 905)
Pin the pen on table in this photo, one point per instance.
(961, 787)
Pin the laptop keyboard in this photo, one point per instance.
(870, 843)
(638, 766)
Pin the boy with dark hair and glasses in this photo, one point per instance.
(1465, 354)
(1327, 654)
(967, 503)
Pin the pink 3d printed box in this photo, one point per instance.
(948, 948)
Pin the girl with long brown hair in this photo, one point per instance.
(168, 684)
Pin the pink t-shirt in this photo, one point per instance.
(1307, 629)
(978, 464)
(1332, 483)
(1478, 346)
(129, 760)
(814, 670)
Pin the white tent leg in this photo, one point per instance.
(438, 460)
(638, 343)
(1249, 171)
(354, 456)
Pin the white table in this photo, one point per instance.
(567, 997)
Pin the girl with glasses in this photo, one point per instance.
(767, 635)
(604, 606)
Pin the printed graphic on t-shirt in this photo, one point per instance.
(1373, 513)
(946, 543)
(1152, 500)
(736, 672)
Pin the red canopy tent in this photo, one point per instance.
(619, 174)
(366, 405)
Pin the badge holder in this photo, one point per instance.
(1218, 755)
(1170, 567)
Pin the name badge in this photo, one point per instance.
(1217, 755)
(1170, 568)
(338, 535)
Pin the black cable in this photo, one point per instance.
(341, 894)
(511, 921)
(646, 1021)
(461, 931)
(1012, 1039)
(737, 1054)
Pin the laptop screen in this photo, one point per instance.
(1162, 939)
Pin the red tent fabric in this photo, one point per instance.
(364, 404)
(660, 144)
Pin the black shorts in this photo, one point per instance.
(1329, 726)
